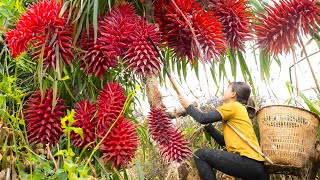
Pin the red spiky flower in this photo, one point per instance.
(172, 144)
(98, 57)
(141, 55)
(113, 32)
(110, 103)
(120, 144)
(177, 150)
(234, 16)
(84, 116)
(117, 26)
(41, 26)
(160, 16)
(278, 31)
(43, 120)
(160, 126)
(190, 30)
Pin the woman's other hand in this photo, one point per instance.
(185, 102)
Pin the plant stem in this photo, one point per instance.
(50, 155)
(311, 69)
(295, 70)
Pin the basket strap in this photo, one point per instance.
(248, 142)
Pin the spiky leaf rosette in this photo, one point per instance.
(278, 31)
(234, 16)
(43, 120)
(113, 32)
(84, 116)
(41, 26)
(120, 144)
(177, 150)
(160, 126)
(193, 33)
(110, 103)
(141, 55)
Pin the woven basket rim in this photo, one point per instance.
(294, 107)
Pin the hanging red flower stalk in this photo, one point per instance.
(98, 57)
(172, 144)
(177, 150)
(42, 27)
(160, 126)
(117, 26)
(189, 30)
(84, 116)
(110, 103)
(43, 122)
(113, 32)
(160, 16)
(120, 144)
(234, 16)
(141, 55)
(278, 31)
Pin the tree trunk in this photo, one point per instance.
(153, 93)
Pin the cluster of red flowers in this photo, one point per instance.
(118, 147)
(185, 26)
(189, 30)
(171, 141)
(42, 27)
(278, 31)
(121, 33)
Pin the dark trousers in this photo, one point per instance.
(210, 160)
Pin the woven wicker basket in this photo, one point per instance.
(287, 136)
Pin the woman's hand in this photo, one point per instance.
(185, 102)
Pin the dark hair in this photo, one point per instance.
(243, 92)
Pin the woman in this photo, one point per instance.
(241, 160)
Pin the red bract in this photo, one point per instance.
(172, 144)
(234, 16)
(189, 30)
(113, 32)
(110, 103)
(160, 16)
(177, 150)
(43, 120)
(120, 144)
(99, 57)
(160, 126)
(41, 26)
(278, 31)
(62, 43)
(141, 55)
(210, 37)
(84, 116)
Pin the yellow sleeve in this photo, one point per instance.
(226, 111)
